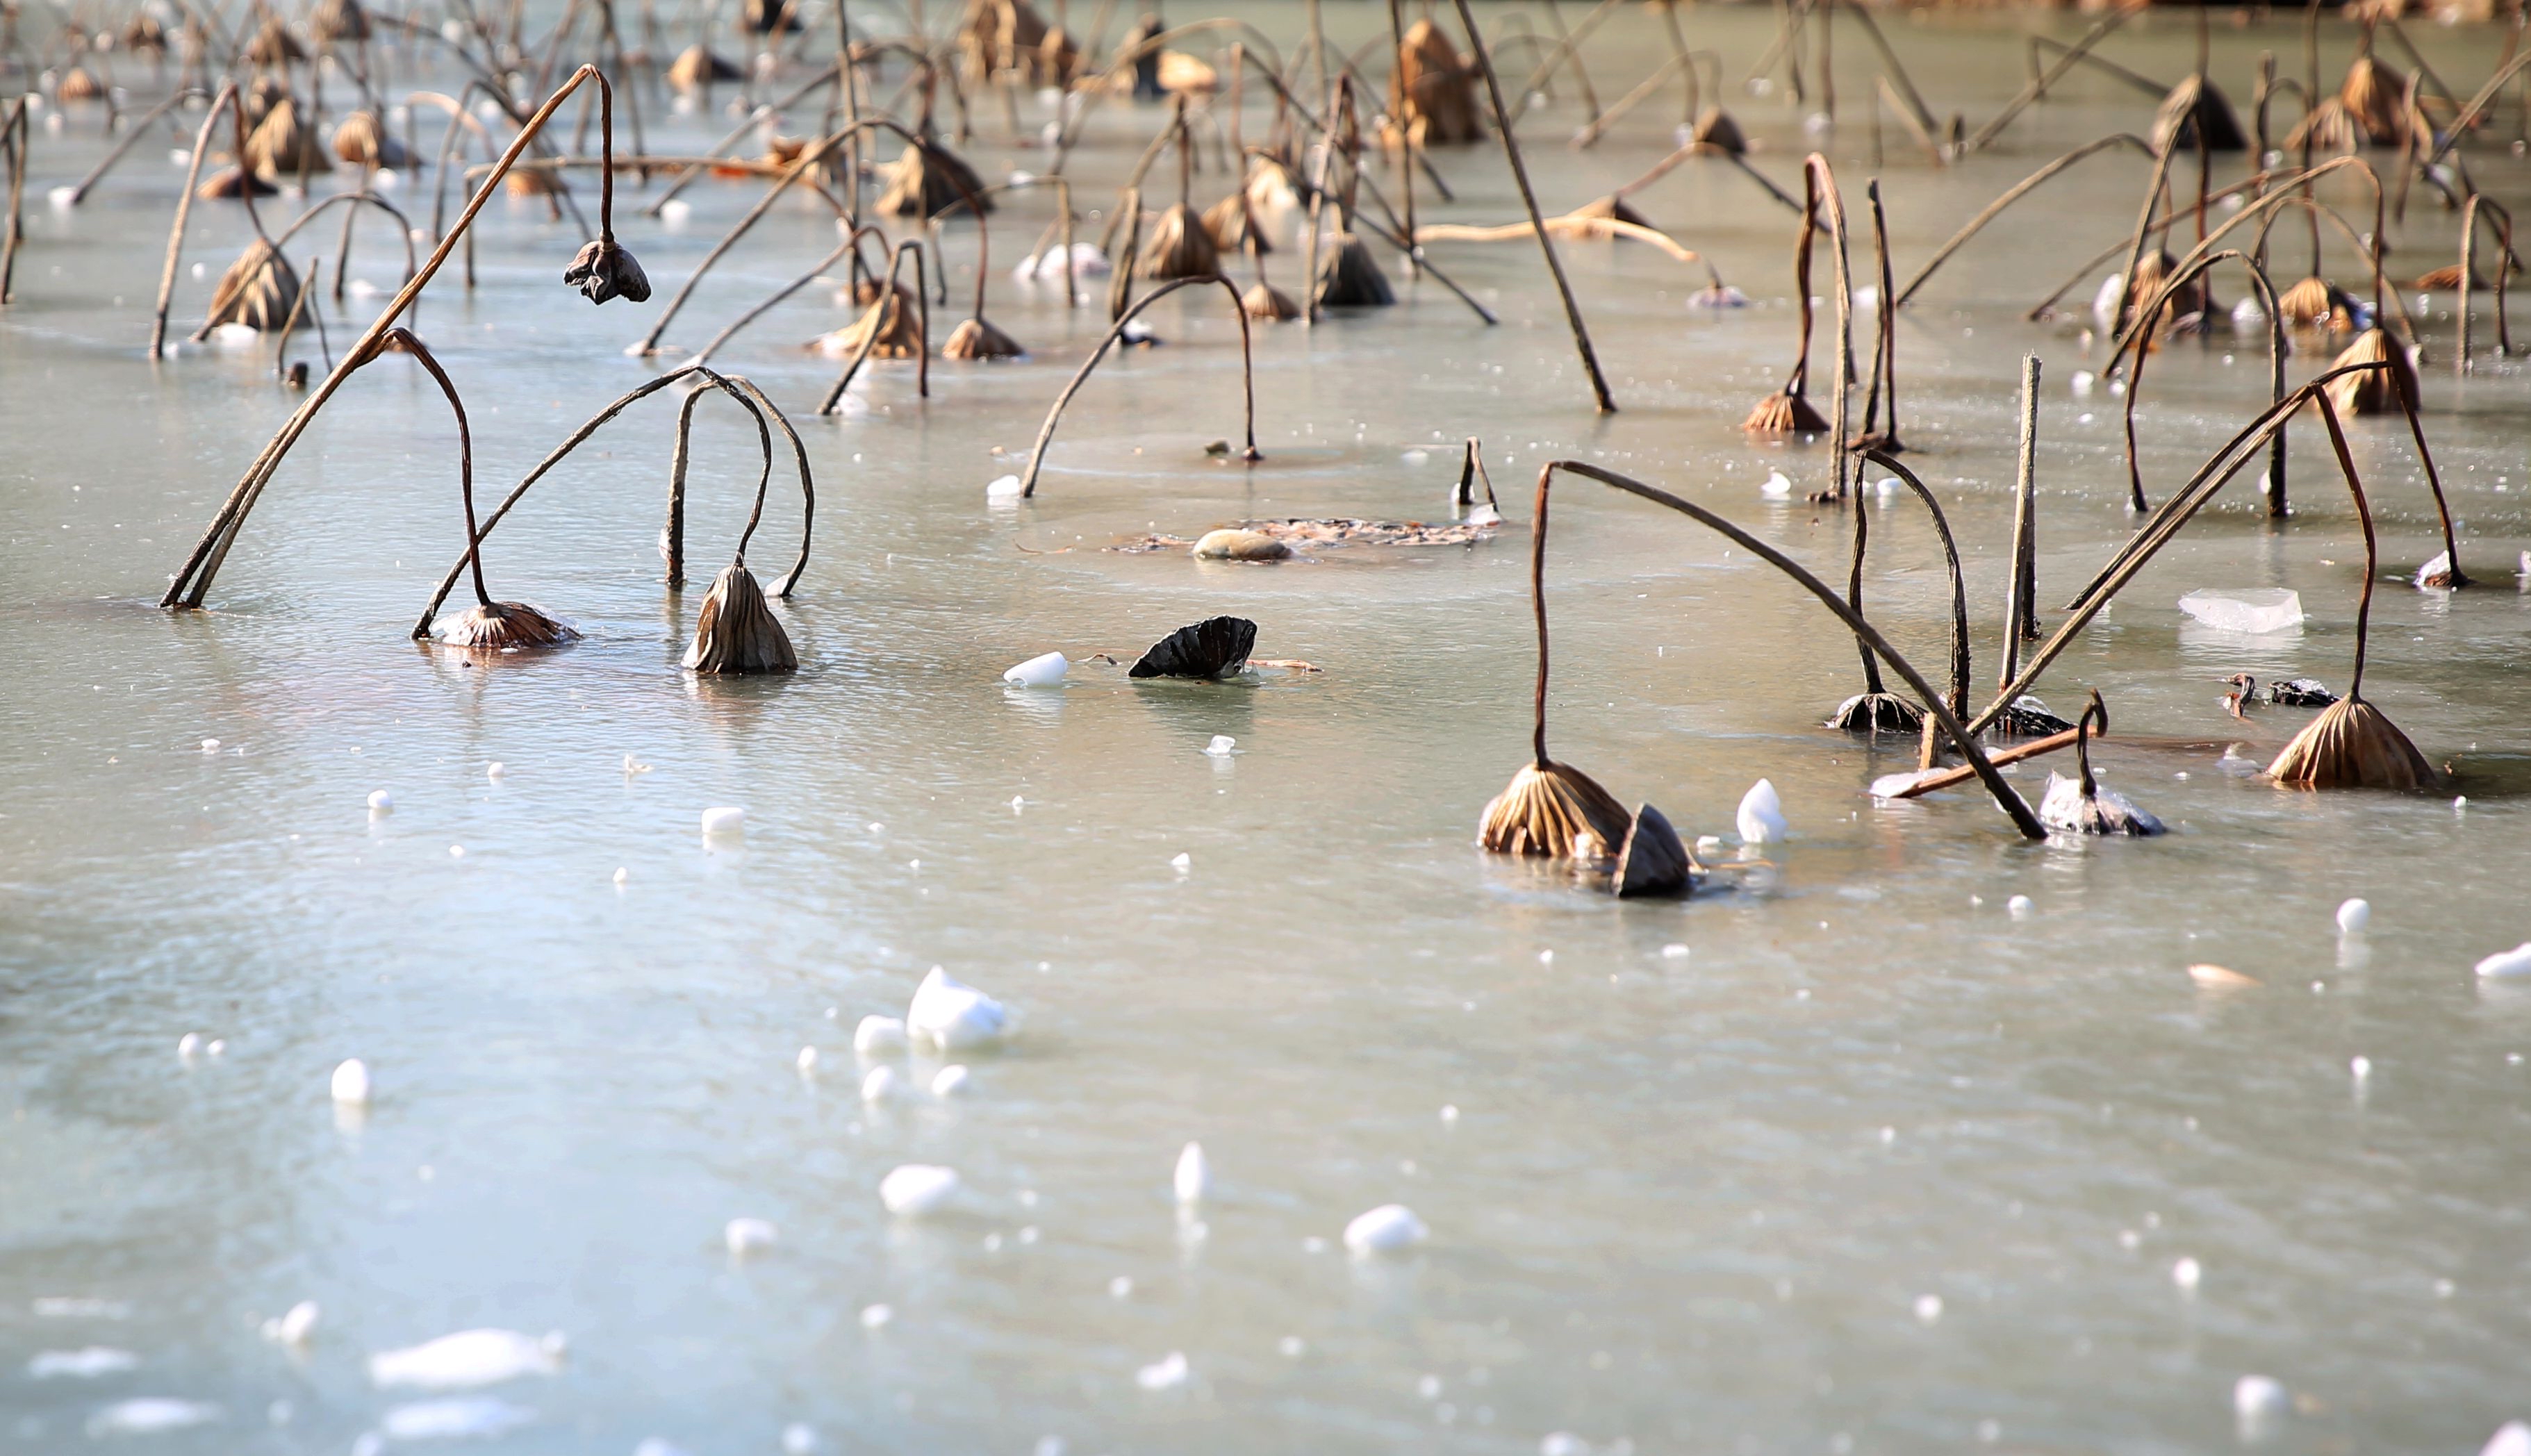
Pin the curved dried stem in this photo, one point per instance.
(2011, 194)
(1959, 695)
(2178, 279)
(1247, 371)
(888, 299)
(225, 100)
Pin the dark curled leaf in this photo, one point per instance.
(1214, 647)
(605, 270)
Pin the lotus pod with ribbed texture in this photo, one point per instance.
(78, 84)
(1184, 75)
(1180, 246)
(926, 180)
(736, 630)
(1268, 303)
(895, 318)
(2375, 100)
(1785, 413)
(1226, 222)
(501, 626)
(282, 147)
(274, 45)
(978, 339)
(2352, 745)
(2374, 391)
(2313, 304)
(259, 290)
(1431, 84)
(1348, 277)
(1549, 812)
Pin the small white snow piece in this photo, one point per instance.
(915, 1189)
(467, 1359)
(148, 1415)
(2247, 315)
(2360, 1068)
(1120, 1287)
(1002, 487)
(2020, 906)
(2248, 609)
(1222, 745)
(2512, 1438)
(1168, 1373)
(217, 1046)
(2353, 916)
(1929, 1308)
(807, 1060)
(2435, 573)
(1044, 670)
(1194, 1176)
(1675, 951)
(952, 1016)
(189, 1044)
(878, 1034)
(381, 802)
(2082, 381)
(2216, 977)
(472, 1416)
(633, 765)
(675, 211)
(879, 1086)
(1887, 486)
(797, 1439)
(1778, 487)
(949, 1082)
(1386, 1229)
(622, 874)
(1451, 1114)
(351, 1083)
(1562, 1443)
(2505, 965)
(2187, 1273)
(211, 745)
(457, 852)
(875, 1316)
(658, 1445)
(1762, 814)
(81, 1364)
(746, 1236)
(1136, 331)
(1182, 863)
(295, 1326)
(497, 770)
(725, 819)
(2259, 1398)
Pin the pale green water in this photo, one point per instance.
(1690, 1203)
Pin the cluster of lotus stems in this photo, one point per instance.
(1336, 134)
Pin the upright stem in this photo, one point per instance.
(2020, 607)
(184, 208)
(1538, 606)
(2364, 516)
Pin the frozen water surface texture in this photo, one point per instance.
(1690, 1166)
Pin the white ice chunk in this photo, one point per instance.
(1222, 746)
(953, 1016)
(2245, 608)
(1778, 487)
(2505, 964)
(1004, 488)
(2353, 916)
(1165, 1374)
(1762, 814)
(381, 802)
(351, 1083)
(1386, 1229)
(949, 1080)
(746, 1236)
(467, 1359)
(293, 1327)
(915, 1189)
(1041, 671)
(725, 819)
(1194, 1176)
(879, 1086)
(2512, 1438)
(878, 1034)
(149, 1414)
(81, 1365)
(474, 1417)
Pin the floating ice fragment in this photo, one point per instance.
(879, 1086)
(2353, 916)
(1194, 1176)
(457, 852)
(350, 1082)
(1182, 863)
(1222, 745)
(1887, 486)
(1891, 785)
(211, 745)
(472, 1416)
(1002, 487)
(2247, 315)
(1563, 1443)
(1165, 1374)
(2507, 964)
(497, 770)
(381, 802)
(1386, 1229)
(1707, 844)
(81, 1365)
(1762, 814)
(949, 1082)
(726, 819)
(1675, 951)
(746, 1236)
(2245, 608)
(2082, 382)
(875, 1316)
(1120, 1287)
(149, 1414)
(1041, 671)
(2257, 1398)
(1929, 1308)
(467, 1359)
(2512, 1438)
(2435, 573)
(953, 1016)
(622, 874)
(878, 1034)
(2187, 1273)
(189, 1044)
(797, 1439)
(915, 1189)
(2020, 906)
(295, 1326)
(1417, 457)
(1777, 487)
(2219, 977)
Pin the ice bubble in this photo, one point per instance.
(381, 802)
(874, 1317)
(2245, 608)
(1386, 1229)
(468, 1418)
(1762, 814)
(149, 1414)
(1194, 1176)
(2187, 1273)
(351, 1083)
(726, 819)
(1165, 1374)
(467, 1359)
(953, 1016)
(1222, 745)
(879, 1086)
(878, 1034)
(949, 1082)
(1041, 671)
(746, 1236)
(915, 1189)
(2353, 916)
(2507, 964)
(2021, 907)
(81, 1365)
(295, 1326)
(1778, 487)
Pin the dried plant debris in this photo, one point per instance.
(1330, 532)
(2080, 805)
(736, 630)
(1214, 649)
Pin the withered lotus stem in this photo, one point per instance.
(736, 630)
(604, 269)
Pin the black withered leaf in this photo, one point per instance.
(1214, 647)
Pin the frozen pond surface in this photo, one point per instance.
(1873, 1164)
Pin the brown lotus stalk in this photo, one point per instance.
(1789, 411)
(1180, 246)
(885, 324)
(1116, 331)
